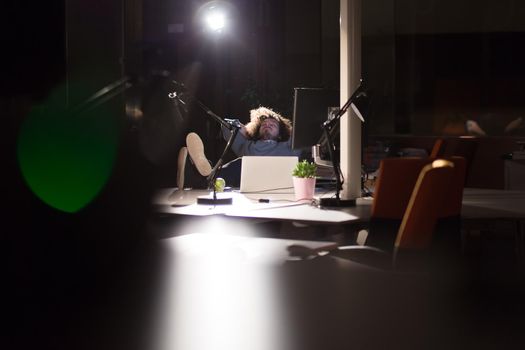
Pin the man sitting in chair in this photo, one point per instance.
(267, 134)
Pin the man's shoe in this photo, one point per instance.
(196, 152)
(181, 167)
(187, 174)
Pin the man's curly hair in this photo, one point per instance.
(259, 114)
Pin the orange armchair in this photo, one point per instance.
(414, 236)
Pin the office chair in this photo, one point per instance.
(414, 235)
(448, 237)
(396, 180)
(394, 185)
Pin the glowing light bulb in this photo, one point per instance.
(216, 21)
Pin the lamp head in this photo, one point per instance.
(216, 16)
(359, 101)
(215, 19)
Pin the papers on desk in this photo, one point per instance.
(304, 212)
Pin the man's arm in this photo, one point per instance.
(242, 128)
(240, 140)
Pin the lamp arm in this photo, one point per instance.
(180, 96)
(232, 125)
(218, 166)
(214, 116)
(327, 126)
(335, 161)
(357, 93)
(101, 96)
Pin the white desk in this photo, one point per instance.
(279, 207)
(477, 204)
(483, 210)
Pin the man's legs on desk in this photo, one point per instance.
(197, 155)
(194, 167)
(187, 174)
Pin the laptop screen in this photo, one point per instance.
(268, 174)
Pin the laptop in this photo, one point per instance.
(267, 174)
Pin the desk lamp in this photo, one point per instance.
(232, 124)
(359, 103)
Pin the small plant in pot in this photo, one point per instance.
(304, 179)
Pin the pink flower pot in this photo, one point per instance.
(304, 188)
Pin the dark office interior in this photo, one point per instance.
(84, 269)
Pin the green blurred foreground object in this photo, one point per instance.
(305, 169)
(220, 184)
(65, 158)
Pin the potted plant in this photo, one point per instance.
(304, 180)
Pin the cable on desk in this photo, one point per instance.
(269, 190)
(268, 200)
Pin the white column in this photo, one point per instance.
(350, 62)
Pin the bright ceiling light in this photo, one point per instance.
(215, 20)
(217, 16)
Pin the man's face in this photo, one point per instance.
(269, 129)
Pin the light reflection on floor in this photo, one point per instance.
(218, 294)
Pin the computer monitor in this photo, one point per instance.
(310, 111)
